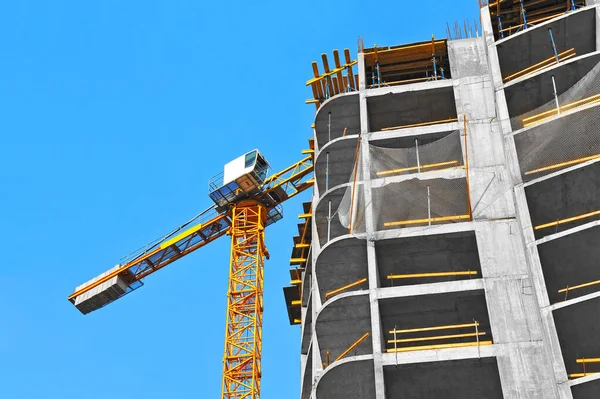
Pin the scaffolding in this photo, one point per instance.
(512, 16)
(332, 82)
(411, 63)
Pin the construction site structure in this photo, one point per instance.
(246, 200)
(451, 246)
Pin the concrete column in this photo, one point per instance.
(522, 353)
(371, 256)
(531, 324)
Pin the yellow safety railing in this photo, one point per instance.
(567, 220)
(542, 64)
(417, 168)
(475, 334)
(427, 220)
(420, 124)
(345, 353)
(567, 289)
(434, 274)
(583, 361)
(544, 116)
(563, 164)
(344, 288)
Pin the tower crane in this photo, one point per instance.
(246, 200)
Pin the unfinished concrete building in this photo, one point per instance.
(451, 246)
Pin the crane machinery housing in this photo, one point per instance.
(246, 200)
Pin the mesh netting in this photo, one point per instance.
(441, 154)
(548, 147)
(351, 211)
(418, 202)
(585, 91)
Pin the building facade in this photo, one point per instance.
(455, 222)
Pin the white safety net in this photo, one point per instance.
(550, 144)
(419, 202)
(351, 211)
(441, 154)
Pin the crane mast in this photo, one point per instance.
(247, 200)
(243, 332)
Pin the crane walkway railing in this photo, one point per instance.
(202, 217)
(159, 253)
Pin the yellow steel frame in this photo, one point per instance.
(245, 222)
(243, 333)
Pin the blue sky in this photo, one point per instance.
(114, 116)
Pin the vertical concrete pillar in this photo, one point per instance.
(515, 286)
(371, 256)
(522, 353)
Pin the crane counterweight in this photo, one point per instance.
(102, 294)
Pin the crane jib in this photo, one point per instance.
(156, 258)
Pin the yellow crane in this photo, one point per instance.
(246, 200)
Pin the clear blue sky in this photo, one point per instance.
(114, 114)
